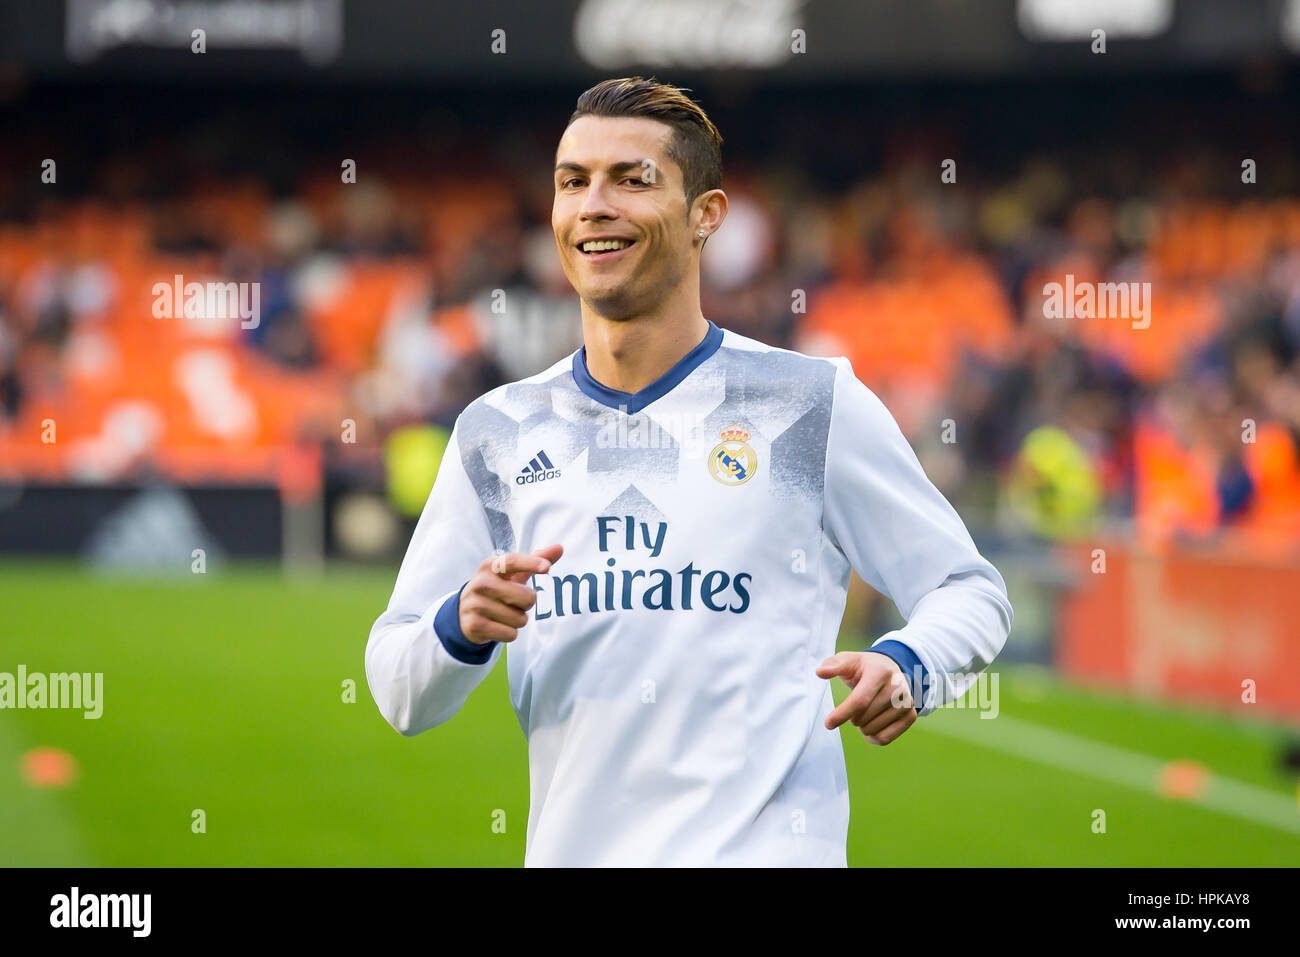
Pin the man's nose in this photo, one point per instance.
(596, 202)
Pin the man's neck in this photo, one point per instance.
(631, 354)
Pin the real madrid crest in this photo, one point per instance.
(732, 461)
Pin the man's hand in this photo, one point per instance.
(880, 704)
(494, 603)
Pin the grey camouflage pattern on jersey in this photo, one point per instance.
(783, 392)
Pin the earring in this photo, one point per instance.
(700, 233)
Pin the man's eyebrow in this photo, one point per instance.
(613, 167)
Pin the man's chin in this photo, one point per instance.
(610, 306)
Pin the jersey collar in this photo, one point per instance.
(633, 402)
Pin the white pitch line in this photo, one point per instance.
(1131, 769)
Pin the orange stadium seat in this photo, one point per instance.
(912, 329)
(346, 327)
(1271, 526)
(1174, 491)
(456, 323)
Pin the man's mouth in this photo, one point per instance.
(600, 250)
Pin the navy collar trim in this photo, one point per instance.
(633, 402)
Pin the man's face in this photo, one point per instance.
(613, 179)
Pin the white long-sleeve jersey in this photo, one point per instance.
(666, 678)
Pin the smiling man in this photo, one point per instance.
(661, 527)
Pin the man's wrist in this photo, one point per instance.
(909, 663)
(446, 625)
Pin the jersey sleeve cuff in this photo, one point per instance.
(446, 625)
(918, 678)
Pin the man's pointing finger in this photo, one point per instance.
(513, 563)
(859, 698)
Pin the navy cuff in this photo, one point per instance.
(918, 679)
(446, 625)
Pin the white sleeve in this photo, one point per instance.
(903, 537)
(419, 665)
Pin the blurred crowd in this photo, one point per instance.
(397, 299)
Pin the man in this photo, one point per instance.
(661, 529)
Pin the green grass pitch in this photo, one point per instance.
(224, 692)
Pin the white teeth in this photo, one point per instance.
(600, 245)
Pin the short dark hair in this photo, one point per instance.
(696, 144)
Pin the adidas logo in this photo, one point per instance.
(538, 470)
